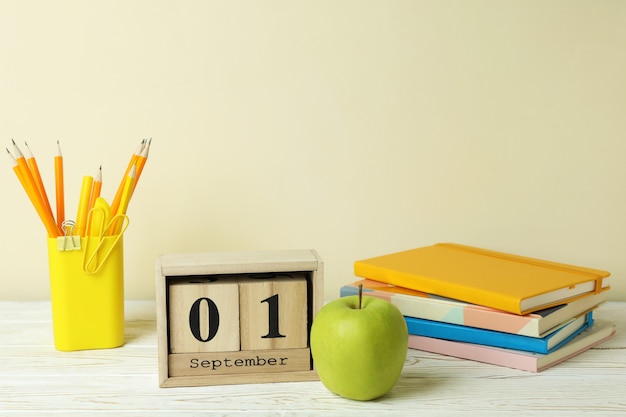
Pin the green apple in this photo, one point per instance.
(359, 345)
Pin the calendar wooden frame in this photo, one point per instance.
(172, 266)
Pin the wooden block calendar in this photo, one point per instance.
(237, 317)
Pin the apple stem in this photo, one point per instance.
(360, 295)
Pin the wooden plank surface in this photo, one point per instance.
(35, 380)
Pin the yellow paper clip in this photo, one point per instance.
(68, 241)
(94, 259)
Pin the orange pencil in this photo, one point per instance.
(25, 170)
(141, 161)
(97, 187)
(59, 187)
(29, 181)
(127, 193)
(133, 159)
(34, 170)
(33, 195)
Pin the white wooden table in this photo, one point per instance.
(35, 379)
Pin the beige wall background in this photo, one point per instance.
(355, 128)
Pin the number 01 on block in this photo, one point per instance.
(237, 317)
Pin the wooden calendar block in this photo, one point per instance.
(204, 315)
(273, 311)
(242, 362)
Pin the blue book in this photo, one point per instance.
(460, 333)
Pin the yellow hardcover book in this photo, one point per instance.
(507, 282)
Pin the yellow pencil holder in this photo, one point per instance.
(87, 291)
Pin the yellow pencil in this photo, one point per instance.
(127, 193)
(133, 160)
(33, 196)
(83, 206)
(95, 193)
(59, 187)
(34, 170)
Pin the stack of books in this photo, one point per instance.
(490, 306)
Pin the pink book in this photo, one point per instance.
(526, 361)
